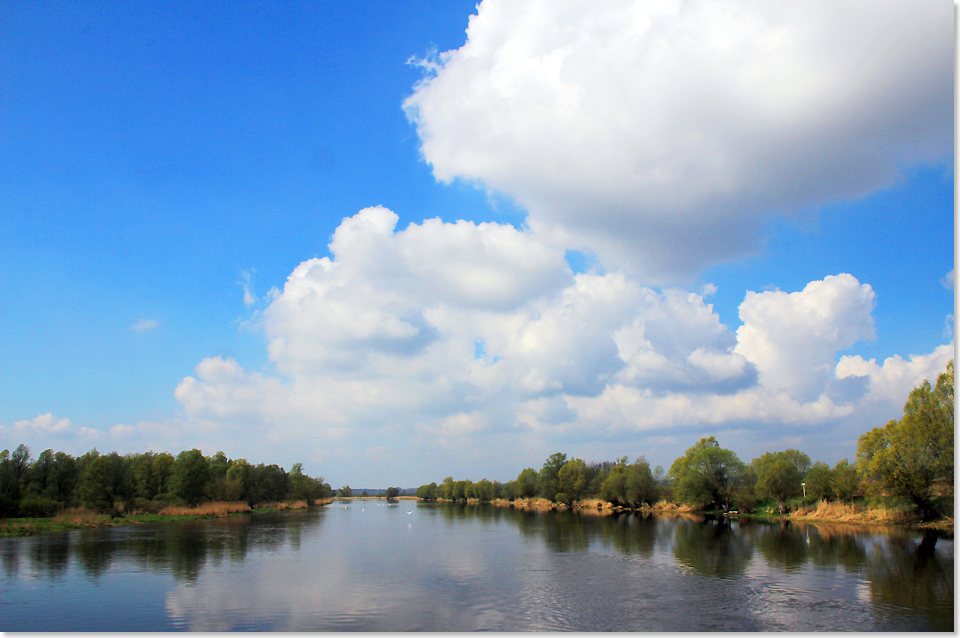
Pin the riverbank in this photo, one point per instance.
(81, 518)
(822, 512)
(832, 512)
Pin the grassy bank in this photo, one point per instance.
(81, 518)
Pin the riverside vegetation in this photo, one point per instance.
(58, 491)
(903, 474)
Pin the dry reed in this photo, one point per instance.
(593, 503)
(295, 505)
(213, 508)
(667, 506)
(849, 513)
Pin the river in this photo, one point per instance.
(374, 566)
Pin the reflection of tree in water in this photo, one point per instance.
(528, 521)
(907, 577)
(632, 534)
(565, 532)
(52, 554)
(712, 548)
(783, 546)
(455, 511)
(46, 553)
(570, 531)
(183, 547)
(481, 512)
(188, 549)
(95, 549)
(926, 567)
(833, 545)
(10, 558)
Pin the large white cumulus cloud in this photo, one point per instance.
(661, 133)
(793, 338)
(383, 348)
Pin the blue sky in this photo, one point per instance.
(164, 166)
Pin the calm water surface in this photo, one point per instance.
(373, 566)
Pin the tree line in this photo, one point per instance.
(56, 480)
(910, 458)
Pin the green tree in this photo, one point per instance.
(143, 476)
(9, 486)
(190, 474)
(527, 483)
(844, 481)
(779, 479)
(301, 486)
(462, 490)
(614, 487)
(795, 457)
(40, 472)
(239, 474)
(597, 474)
(162, 472)
(62, 481)
(96, 482)
(819, 482)
(427, 492)
(707, 475)
(446, 489)
(272, 483)
(345, 491)
(641, 485)
(548, 483)
(483, 490)
(631, 485)
(21, 462)
(218, 466)
(392, 492)
(223, 489)
(913, 456)
(572, 480)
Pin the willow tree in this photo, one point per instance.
(779, 480)
(707, 474)
(780, 475)
(913, 457)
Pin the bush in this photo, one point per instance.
(37, 505)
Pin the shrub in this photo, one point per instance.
(37, 505)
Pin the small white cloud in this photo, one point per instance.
(47, 431)
(249, 298)
(145, 324)
(122, 430)
(948, 279)
(46, 423)
(378, 454)
(891, 382)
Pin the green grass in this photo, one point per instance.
(14, 527)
